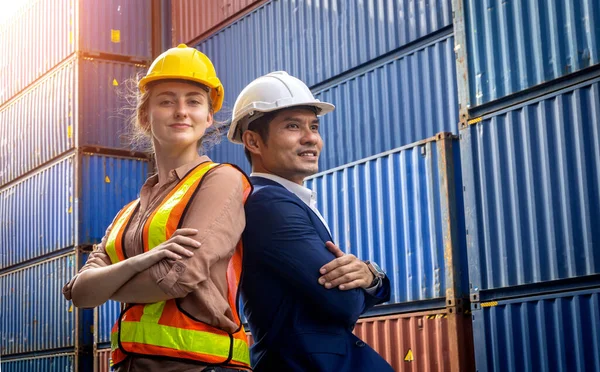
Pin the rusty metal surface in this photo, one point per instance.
(424, 341)
(460, 50)
(102, 360)
(439, 340)
(157, 28)
(191, 19)
(452, 223)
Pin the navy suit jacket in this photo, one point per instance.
(297, 324)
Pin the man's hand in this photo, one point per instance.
(346, 271)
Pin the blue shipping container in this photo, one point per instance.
(227, 152)
(514, 45)
(81, 103)
(532, 191)
(116, 27)
(393, 209)
(64, 362)
(107, 185)
(105, 317)
(402, 100)
(60, 28)
(35, 315)
(68, 203)
(558, 332)
(317, 40)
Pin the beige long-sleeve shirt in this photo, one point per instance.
(217, 212)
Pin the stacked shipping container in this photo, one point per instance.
(389, 67)
(418, 341)
(523, 86)
(529, 91)
(65, 169)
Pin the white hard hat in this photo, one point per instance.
(271, 92)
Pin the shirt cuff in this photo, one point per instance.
(167, 276)
(373, 290)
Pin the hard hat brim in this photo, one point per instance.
(216, 90)
(235, 133)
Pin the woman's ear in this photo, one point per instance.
(210, 119)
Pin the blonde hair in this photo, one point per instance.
(136, 110)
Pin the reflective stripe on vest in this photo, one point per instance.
(164, 220)
(162, 329)
(114, 241)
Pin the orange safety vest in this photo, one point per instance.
(162, 328)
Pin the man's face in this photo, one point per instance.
(293, 145)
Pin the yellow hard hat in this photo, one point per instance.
(185, 63)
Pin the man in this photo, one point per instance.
(302, 295)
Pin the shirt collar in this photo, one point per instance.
(305, 194)
(186, 168)
(179, 172)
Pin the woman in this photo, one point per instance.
(173, 256)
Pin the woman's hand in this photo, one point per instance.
(180, 244)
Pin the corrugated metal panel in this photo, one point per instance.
(558, 332)
(116, 27)
(107, 315)
(419, 341)
(59, 362)
(422, 341)
(107, 185)
(102, 360)
(532, 191)
(191, 18)
(388, 209)
(103, 110)
(36, 214)
(316, 40)
(38, 125)
(35, 316)
(514, 45)
(82, 99)
(227, 152)
(402, 100)
(33, 41)
(106, 27)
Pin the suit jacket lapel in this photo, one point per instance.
(259, 182)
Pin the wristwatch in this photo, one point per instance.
(377, 273)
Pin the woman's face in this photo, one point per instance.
(178, 114)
